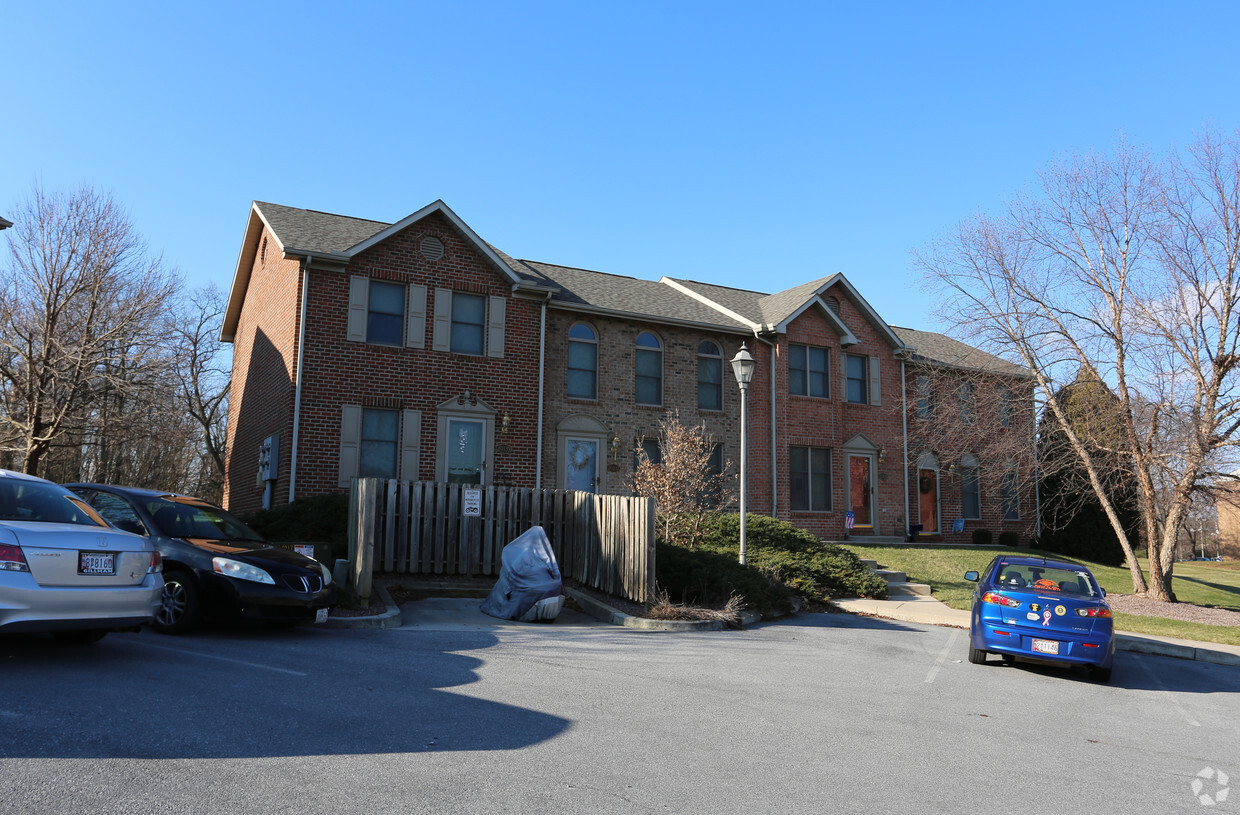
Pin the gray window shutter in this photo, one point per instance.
(359, 307)
(442, 339)
(410, 444)
(415, 319)
(843, 377)
(350, 442)
(876, 396)
(495, 327)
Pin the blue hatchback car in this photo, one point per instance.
(1045, 610)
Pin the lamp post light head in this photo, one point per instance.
(742, 366)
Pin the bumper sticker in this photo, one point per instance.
(1046, 618)
(1031, 616)
(1060, 610)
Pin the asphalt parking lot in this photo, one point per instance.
(815, 713)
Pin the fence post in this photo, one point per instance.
(362, 566)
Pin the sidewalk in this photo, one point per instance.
(929, 611)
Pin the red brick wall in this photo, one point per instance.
(262, 375)
(339, 372)
(616, 408)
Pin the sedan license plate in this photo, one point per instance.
(1046, 646)
(320, 615)
(96, 563)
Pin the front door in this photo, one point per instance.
(859, 491)
(928, 501)
(465, 455)
(581, 464)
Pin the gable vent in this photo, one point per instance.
(432, 248)
(834, 305)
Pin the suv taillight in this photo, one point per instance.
(12, 559)
(157, 563)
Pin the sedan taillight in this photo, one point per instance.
(1094, 611)
(12, 559)
(1000, 600)
(157, 563)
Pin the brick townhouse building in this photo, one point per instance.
(418, 351)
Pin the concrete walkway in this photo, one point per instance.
(933, 612)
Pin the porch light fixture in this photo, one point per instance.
(504, 422)
(882, 454)
(742, 366)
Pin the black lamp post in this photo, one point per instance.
(742, 366)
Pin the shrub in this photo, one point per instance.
(782, 559)
(323, 518)
(983, 537)
(1009, 539)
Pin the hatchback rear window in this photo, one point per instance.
(1045, 578)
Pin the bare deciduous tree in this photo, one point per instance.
(82, 302)
(1128, 269)
(685, 487)
(203, 371)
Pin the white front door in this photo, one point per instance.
(581, 464)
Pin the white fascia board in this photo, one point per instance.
(704, 300)
(865, 307)
(245, 265)
(442, 208)
(634, 317)
(846, 335)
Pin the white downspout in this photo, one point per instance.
(904, 426)
(301, 359)
(542, 375)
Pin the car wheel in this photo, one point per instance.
(85, 637)
(1102, 675)
(977, 656)
(180, 607)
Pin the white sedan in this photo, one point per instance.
(63, 570)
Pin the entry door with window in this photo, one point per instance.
(859, 491)
(466, 454)
(928, 500)
(581, 464)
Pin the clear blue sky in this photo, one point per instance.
(758, 145)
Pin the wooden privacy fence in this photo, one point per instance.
(424, 527)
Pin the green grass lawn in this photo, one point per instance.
(943, 568)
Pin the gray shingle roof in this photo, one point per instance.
(313, 231)
(764, 309)
(627, 295)
(940, 349)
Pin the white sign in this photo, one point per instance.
(473, 504)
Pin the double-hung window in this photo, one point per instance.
(857, 368)
(469, 316)
(385, 314)
(970, 488)
(648, 383)
(807, 371)
(582, 362)
(1009, 491)
(811, 478)
(379, 443)
(710, 377)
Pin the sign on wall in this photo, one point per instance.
(472, 503)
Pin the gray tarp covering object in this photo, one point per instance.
(529, 575)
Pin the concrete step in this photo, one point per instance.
(905, 589)
(891, 575)
(872, 565)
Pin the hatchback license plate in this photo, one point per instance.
(96, 563)
(1046, 646)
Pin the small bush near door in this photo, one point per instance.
(983, 537)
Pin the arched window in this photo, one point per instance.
(710, 377)
(648, 384)
(970, 488)
(582, 362)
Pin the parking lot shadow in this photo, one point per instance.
(252, 694)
